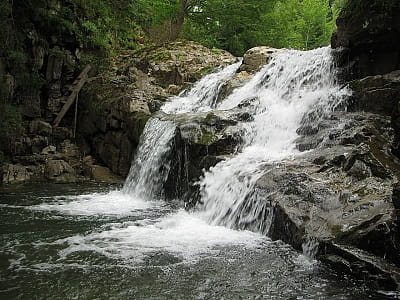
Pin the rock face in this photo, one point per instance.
(118, 103)
(369, 32)
(336, 201)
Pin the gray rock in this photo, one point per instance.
(49, 150)
(40, 127)
(370, 31)
(15, 173)
(255, 58)
(59, 171)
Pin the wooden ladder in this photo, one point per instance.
(75, 88)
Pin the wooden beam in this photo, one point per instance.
(76, 87)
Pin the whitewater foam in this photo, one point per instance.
(181, 234)
(114, 203)
(204, 93)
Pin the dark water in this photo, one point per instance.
(57, 244)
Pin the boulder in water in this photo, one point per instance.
(255, 58)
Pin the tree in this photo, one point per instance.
(230, 24)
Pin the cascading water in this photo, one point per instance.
(292, 85)
(149, 249)
(151, 164)
(203, 95)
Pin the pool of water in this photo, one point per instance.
(94, 242)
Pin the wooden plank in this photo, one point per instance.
(76, 87)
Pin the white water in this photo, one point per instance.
(151, 164)
(113, 203)
(203, 95)
(291, 85)
(181, 234)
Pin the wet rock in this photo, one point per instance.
(238, 80)
(202, 140)
(376, 94)
(255, 58)
(370, 31)
(362, 265)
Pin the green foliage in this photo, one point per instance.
(237, 25)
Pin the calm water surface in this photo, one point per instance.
(94, 242)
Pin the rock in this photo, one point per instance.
(180, 62)
(60, 134)
(99, 173)
(396, 196)
(37, 143)
(59, 171)
(238, 80)
(120, 101)
(376, 94)
(54, 64)
(370, 30)
(49, 150)
(31, 107)
(15, 174)
(362, 265)
(40, 127)
(201, 141)
(255, 58)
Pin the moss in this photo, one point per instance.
(206, 137)
(203, 72)
(158, 57)
(217, 51)
(181, 57)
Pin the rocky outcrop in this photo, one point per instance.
(369, 32)
(118, 103)
(181, 62)
(255, 58)
(337, 200)
(201, 141)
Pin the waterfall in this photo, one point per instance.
(203, 95)
(294, 88)
(151, 164)
(284, 92)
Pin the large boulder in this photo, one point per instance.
(15, 173)
(201, 141)
(180, 62)
(60, 171)
(256, 57)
